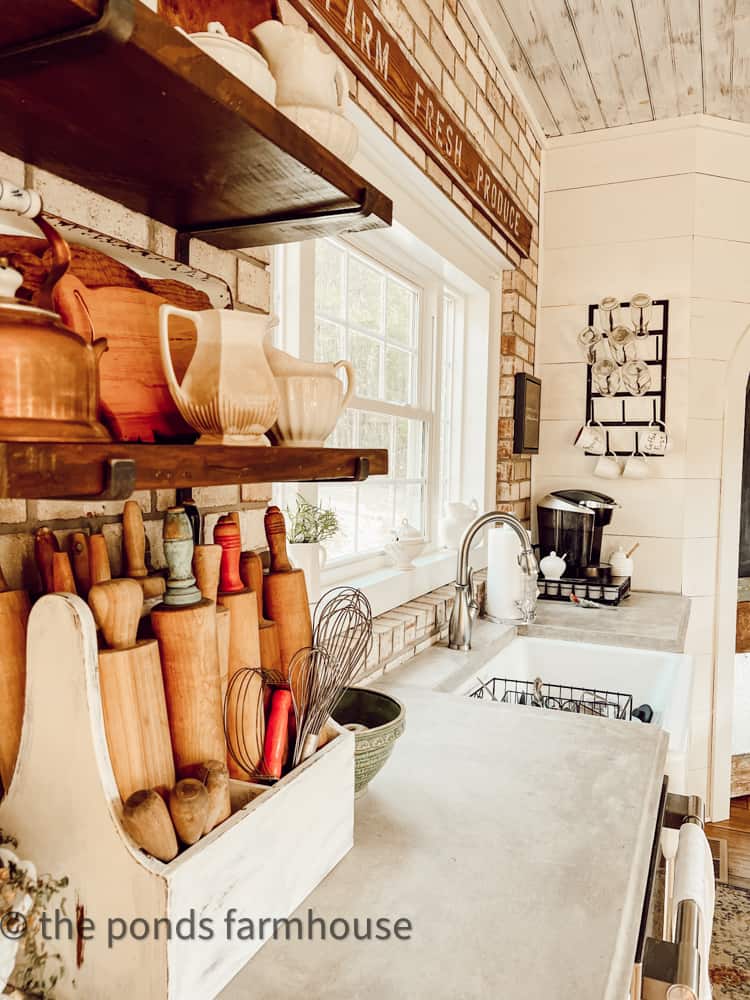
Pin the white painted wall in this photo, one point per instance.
(663, 208)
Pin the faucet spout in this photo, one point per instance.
(464, 607)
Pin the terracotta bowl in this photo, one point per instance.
(377, 721)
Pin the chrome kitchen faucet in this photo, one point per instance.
(465, 608)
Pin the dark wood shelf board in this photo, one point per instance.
(156, 124)
(65, 470)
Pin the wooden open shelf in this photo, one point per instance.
(112, 470)
(128, 107)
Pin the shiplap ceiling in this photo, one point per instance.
(592, 64)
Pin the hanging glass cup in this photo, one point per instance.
(588, 339)
(622, 344)
(640, 313)
(636, 377)
(609, 314)
(606, 377)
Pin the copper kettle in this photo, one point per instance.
(49, 376)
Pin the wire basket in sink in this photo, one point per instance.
(560, 697)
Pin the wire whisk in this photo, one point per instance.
(342, 637)
(244, 720)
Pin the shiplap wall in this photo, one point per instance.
(663, 209)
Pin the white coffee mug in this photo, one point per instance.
(591, 438)
(607, 467)
(654, 441)
(636, 466)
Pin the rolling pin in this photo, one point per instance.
(132, 690)
(146, 819)
(99, 568)
(206, 566)
(189, 808)
(187, 643)
(45, 545)
(285, 593)
(134, 550)
(251, 572)
(215, 776)
(14, 615)
(79, 557)
(244, 638)
(62, 574)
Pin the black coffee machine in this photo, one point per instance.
(571, 524)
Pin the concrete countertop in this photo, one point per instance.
(517, 845)
(644, 621)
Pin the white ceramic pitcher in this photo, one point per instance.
(306, 73)
(311, 398)
(228, 393)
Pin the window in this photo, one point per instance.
(401, 328)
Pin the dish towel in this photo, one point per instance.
(694, 879)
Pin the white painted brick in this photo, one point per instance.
(410, 147)
(17, 562)
(66, 510)
(219, 262)
(162, 238)
(398, 632)
(400, 21)
(63, 198)
(165, 499)
(384, 631)
(254, 285)
(217, 496)
(374, 109)
(252, 530)
(263, 255)
(155, 544)
(12, 511)
(454, 32)
(113, 536)
(453, 96)
(12, 169)
(256, 492)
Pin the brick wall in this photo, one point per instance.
(444, 43)
(446, 46)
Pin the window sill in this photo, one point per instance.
(388, 587)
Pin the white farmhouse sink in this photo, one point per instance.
(663, 680)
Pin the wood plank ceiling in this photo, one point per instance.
(592, 64)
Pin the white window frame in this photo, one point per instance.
(426, 225)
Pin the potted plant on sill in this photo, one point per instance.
(309, 526)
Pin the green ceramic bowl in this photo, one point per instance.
(384, 719)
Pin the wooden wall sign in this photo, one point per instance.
(356, 32)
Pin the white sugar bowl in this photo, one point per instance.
(620, 563)
(552, 566)
(405, 548)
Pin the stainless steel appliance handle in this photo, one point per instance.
(671, 970)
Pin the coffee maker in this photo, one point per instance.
(571, 523)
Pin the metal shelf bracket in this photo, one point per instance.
(119, 481)
(361, 472)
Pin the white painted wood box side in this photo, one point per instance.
(262, 863)
(63, 806)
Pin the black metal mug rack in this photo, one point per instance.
(623, 410)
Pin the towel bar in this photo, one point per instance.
(671, 970)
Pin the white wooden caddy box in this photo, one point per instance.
(63, 806)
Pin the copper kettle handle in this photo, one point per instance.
(61, 262)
